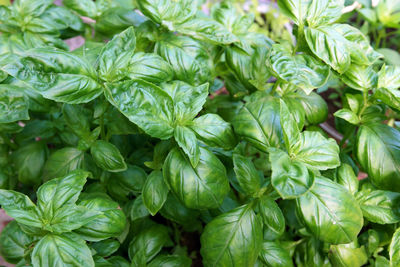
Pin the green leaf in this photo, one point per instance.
(313, 12)
(115, 57)
(129, 181)
(187, 140)
(32, 8)
(106, 247)
(388, 84)
(289, 178)
(190, 59)
(168, 13)
(78, 119)
(111, 222)
(258, 122)
(360, 49)
(347, 178)
(170, 261)
(314, 106)
(13, 104)
(300, 70)
(144, 104)
(232, 237)
(246, 174)
(330, 212)
(214, 131)
(136, 208)
(360, 77)
(149, 67)
(107, 156)
(29, 161)
(56, 75)
(14, 242)
(61, 162)
(387, 13)
(20, 207)
(155, 192)
(204, 186)
(274, 255)
(315, 151)
(272, 217)
(149, 242)
(232, 18)
(329, 45)
(290, 128)
(83, 7)
(378, 152)
(207, 29)
(188, 100)
(348, 116)
(347, 255)
(67, 249)
(394, 249)
(380, 206)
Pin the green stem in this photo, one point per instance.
(365, 102)
(276, 84)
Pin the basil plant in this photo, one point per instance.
(180, 134)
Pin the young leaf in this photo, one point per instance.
(289, 178)
(290, 128)
(204, 186)
(154, 192)
(394, 249)
(67, 249)
(235, 236)
(258, 122)
(187, 140)
(61, 162)
(347, 178)
(115, 57)
(149, 67)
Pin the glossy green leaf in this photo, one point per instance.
(388, 85)
(13, 104)
(387, 13)
(314, 106)
(329, 45)
(315, 151)
(149, 242)
(347, 178)
(168, 13)
(274, 255)
(394, 249)
(188, 100)
(115, 57)
(187, 140)
(155, 192)
(107, 156)
(56, 75)
(136, 209)
(14, 242)
(214, 131)
(170, 261)
(258, 122)
(348, 116)
(207, 29)
(149, 67)
(29, 161)
(77, 118)
(110, 223)
(347, 255)
(20, 207)
(189, 59)
(290, 128)
(232, 239)
(144, 104)
(83, 7)
(330, 212)
(62, 250)
(272, 216)
(289, 178)
(378, 151)
(62, 161)
(246, 174)
(300, 70)
(360, 77)
(204, 186)
(380, 206)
